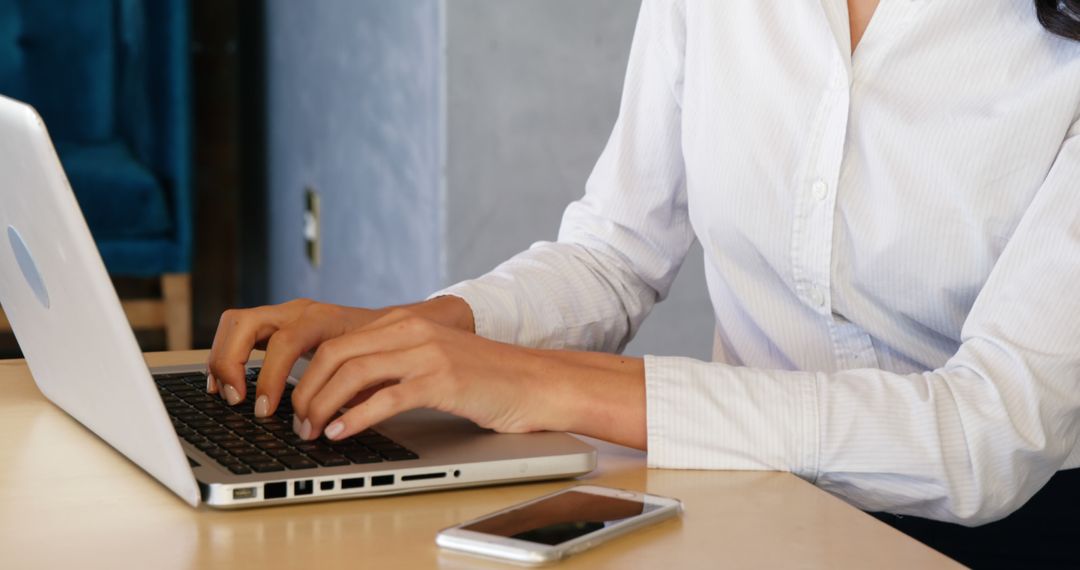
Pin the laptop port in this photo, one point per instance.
(352, 483)
(380, 480)
(244, 493)
(327, 485)
(418, 476)
(275, 490)
(302, 488)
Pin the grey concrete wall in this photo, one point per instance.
(354, 110)
(533, 90)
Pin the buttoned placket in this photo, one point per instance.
(813, 231)
(816, 198)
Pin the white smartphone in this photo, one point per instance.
(555, 526)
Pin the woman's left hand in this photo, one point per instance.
(402, 361)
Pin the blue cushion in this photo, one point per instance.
(111, 79)
(120, 198)
(68, 60)
(142, 257)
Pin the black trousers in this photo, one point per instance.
(1044, 533)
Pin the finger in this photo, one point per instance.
(400, 334)
(354, 377)
(368, 392)
(382, 405)
(284, 348)
(239, 330)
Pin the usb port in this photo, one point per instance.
(244, 493)
(352, 483)
(380, 480)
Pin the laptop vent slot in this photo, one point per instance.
(420, 476)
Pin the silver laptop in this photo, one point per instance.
(84, 358)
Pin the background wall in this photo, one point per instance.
(354, 96)
(356, 100)
(533, 90)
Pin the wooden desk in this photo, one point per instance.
(67, 500)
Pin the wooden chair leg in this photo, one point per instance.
(176, 293)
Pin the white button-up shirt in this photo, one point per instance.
(892, 247)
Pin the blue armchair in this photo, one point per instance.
(111, 80)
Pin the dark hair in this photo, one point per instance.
(1061, 17)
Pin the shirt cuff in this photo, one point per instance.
(715, 416)
(485, 307)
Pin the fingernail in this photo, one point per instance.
(262, 406)
(296, 425)
(231, 395)
(334, 429)
(305, 429)
(211, 386)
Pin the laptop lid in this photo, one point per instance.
(65, 313)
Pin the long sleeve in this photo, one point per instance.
(969, 442)
(892, 248)
(621, 245)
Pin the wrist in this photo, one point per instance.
(593, 394)
(446, 310)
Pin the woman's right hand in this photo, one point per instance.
(288, 331)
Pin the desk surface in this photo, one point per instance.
(67, 500)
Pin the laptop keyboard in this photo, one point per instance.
(243, 444)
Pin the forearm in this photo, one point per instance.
(594, 394)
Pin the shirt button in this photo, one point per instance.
(817, 297)
(820, 190)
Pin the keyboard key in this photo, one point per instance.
(252, 457)
(292, 439)
(201, 422)
(297, 462)
(219, 454)
(238, 468)
(234, 421)
(363, 457)
(267, 467)
(272, 446)
(328, 459)
(213, 432)
(344, 444)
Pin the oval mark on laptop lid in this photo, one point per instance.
(28, 267)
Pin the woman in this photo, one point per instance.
(891, 227)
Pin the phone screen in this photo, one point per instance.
(561, 517)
